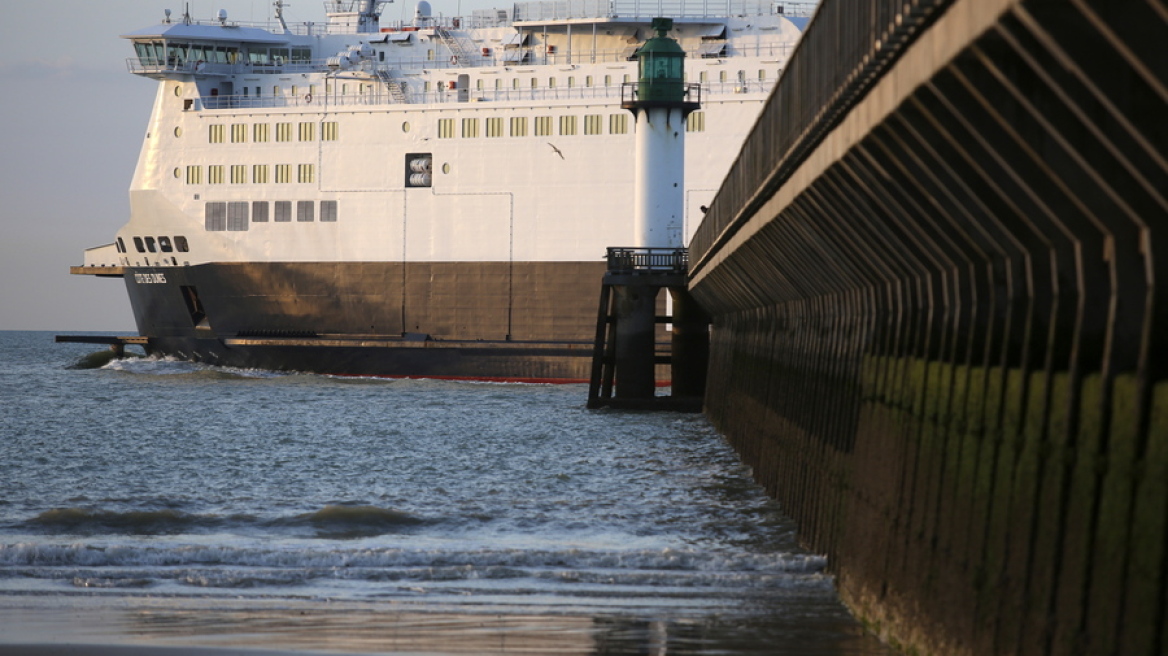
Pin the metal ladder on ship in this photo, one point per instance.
(458, 55)
(395, 87)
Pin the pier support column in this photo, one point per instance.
(690, 345)
(636, 319)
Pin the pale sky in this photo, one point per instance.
(71, 124)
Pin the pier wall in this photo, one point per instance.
(940, 326)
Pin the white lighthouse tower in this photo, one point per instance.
(660, 100)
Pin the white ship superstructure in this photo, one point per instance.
(310, 193)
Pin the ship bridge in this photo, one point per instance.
(202, 48)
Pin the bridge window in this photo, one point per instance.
(308, 131)
(145, 52)
(259, 174)
(593, 124)
(470, 127)
(261, 133)
(329, 131)
(283, 173)
(696, 122)
(176, 54)
(495, 126)
(217, 133)
(165, 245)
(568, 125)
(181, 245)
(283, 132)
(543, 126)
(194, 175)
(519, 126)
(445, 128)
(215, 174)
(238, 173)
(150, 245)
(138, 245)
(618, 123)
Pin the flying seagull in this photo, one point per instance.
(556, 149)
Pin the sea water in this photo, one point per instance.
(453, 512)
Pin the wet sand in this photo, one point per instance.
(144, 626)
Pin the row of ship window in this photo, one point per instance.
(481, 84)
(517, 126)
(239, 173)
(545, 126)
(262, 132)
(552, 82)
(236, 216)
(156, 244)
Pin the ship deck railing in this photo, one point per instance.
(554, 10)
(381, 96)
(774, 47)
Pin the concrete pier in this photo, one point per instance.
(936, 275)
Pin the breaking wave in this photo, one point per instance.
(171, 366)
(645, 573)
(334, 521)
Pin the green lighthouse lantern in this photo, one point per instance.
(662, 62)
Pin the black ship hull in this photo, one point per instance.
(531, 322)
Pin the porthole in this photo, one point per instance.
(406, 126)
(177, 172)
(178, 132)
(178, 91)
(446, 168)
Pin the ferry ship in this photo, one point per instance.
(430, 197)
